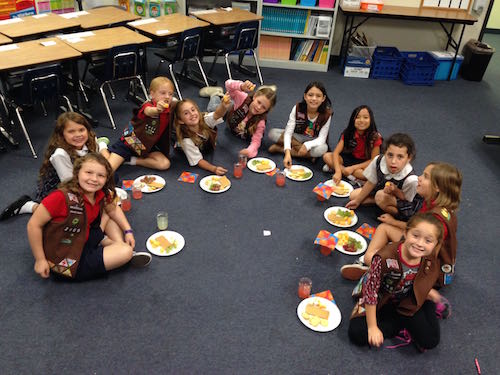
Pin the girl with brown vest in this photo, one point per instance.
(64, 232)
(395, 288)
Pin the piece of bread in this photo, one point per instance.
(315, 310)
(224, 182)
(155, 185)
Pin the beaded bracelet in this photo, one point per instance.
(128, 231)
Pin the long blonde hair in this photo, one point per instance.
(184, 132)
(57, 140)
(446, 180)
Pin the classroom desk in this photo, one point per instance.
(221, 17)
(166, 26)
(452, 17)
(4, 39)
(32, 53)
(32, 26)
(101, 17)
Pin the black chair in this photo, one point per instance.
(189, 46)
(121, 63)
(39, 85)
(245, 39)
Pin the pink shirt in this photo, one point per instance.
(233, 87)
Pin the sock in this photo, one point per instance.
(102, 146)
(132, 161)
(351, 177)
(27, 208)
(362, 259)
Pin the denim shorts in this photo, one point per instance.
(120, 148)
(91, 264)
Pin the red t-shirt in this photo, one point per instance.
(359, 150)
(55, 203)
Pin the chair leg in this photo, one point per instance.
(70, 106)
(227, 65)
(42, 104)
(82, 90)
(202, 71)
(144, 91)
(255, 57)
(18, 113)
(113, 97)
(171, 69)
(213, 63)
(105, 100)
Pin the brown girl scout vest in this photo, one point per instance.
(448, 253)
(235, 116)
(302, 122)
(63, 242)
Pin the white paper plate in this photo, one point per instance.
(171, 236)
(206, 181)
(145, 188)
(292, 174)
(335, 208)
(121, 194)
(333, 320)
(253, 163)
(345, 184)
(357, 237)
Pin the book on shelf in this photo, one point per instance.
(274, 47)
(324, 55)
(319, 50)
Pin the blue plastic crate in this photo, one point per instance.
(444, 59)
(386, 63)
(418, 68)
(308, 3)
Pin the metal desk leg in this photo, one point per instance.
(456, 52)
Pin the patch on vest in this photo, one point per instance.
(63, 267)
(447, 268)
(392, 263)
(445, 213)
(72, 197)
(150, 129)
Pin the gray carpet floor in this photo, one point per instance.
(226, 304)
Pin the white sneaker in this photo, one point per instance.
(327, 169)
(140, 259)
(208, 91)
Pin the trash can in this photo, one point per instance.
(477, 55)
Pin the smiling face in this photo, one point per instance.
(420, 241)
(259, 105)
(396, 158)
(164, 93)
(424, 186)
(189, 115)
(92, 176)
(314, 98)
(75, 135)
(362, 121)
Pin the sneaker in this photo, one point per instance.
(327, 169)
(208, 91)
(140, 259)
(14, 208)
(443, 308)
(104, 140)
(354, 271)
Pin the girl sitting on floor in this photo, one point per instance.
(306, 131)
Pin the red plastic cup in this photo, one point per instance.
(242, 160)
(136, 192)
(305, 285)
(280, 178)
(238, 170)
(126, 203)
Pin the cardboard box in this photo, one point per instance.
(357, 67)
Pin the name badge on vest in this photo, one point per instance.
(392, 263)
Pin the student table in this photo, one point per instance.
(4, 39)
(101, 17)
(32, 53)
(452, 17)
(221, 17)
(167, 26)
(17, 28)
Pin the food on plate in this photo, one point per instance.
(341, 189)
(148, 179)
(348, 243)
(155, 185)
(299, 173)
(341, 217)
(216, 183)
(262, 165)
(316, 313)
(163, 243)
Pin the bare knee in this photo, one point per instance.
(164, 164)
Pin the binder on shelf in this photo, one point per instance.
(317, 55)
(324, 55)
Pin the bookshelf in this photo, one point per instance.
(291, 30)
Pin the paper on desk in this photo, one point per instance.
(74, 40)
(8, 47)
(204, 11)
(143, 22)
(266, 233)
(48, 43)
(36, 16)
(75, 35)
(74, 14)
(12, 20)
(227, 9)
(162, 32)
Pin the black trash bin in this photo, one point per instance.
(477, 55)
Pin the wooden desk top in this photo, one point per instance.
(223, 17)
(32, 25)
(34, 53)
(168, 25)
(100, 17)
(4, 39)
(423, 14)
(104, 39)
